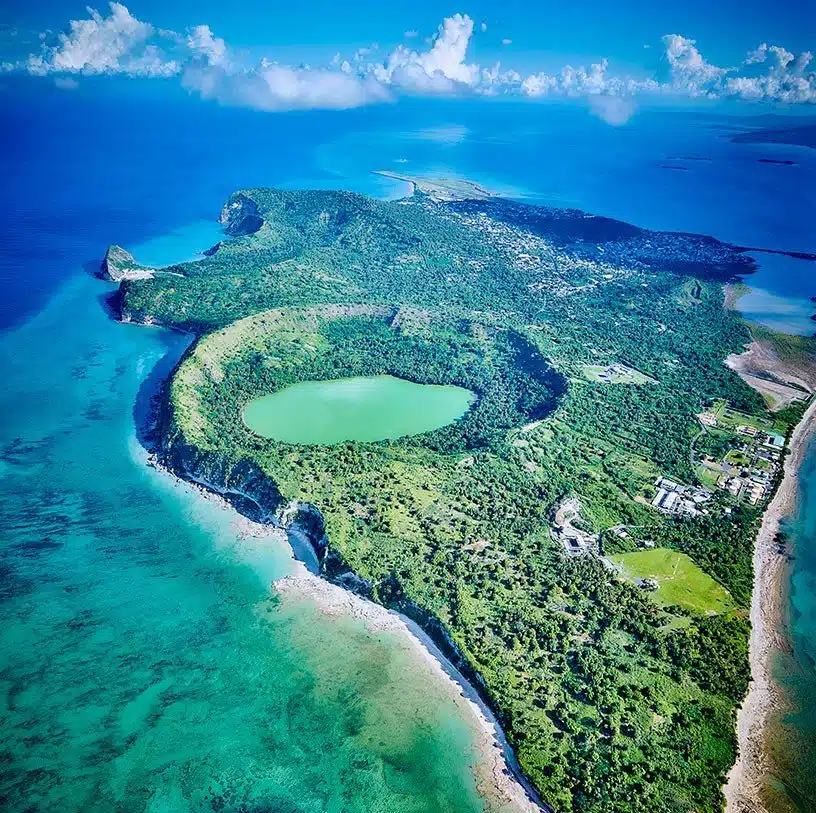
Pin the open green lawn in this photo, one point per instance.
(681, 581)
(731, 418)
(737, 458)
(708, 475)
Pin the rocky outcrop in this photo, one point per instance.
(240, 215)
(244, 485)
(119, 265)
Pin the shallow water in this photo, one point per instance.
(184, 244)
(795, 731)
(780, 295)
(365, 409)
(145, 664)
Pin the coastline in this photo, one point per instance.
(743, 789)
(498, 777)
(499, 780)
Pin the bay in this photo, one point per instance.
(146, 664)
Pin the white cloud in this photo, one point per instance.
(66, 83)
(689, 70)
(582, 81)
(776, 86)
(614, 110)
(202, 41)
(758, 55)
(118, 43)
(273, 87)
(781, 57)
(439, 69)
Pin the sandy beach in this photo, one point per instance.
(745, 780)
(498, 776)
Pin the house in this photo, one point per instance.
(774, 441)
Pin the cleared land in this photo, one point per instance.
(681, 581)
(615, 374)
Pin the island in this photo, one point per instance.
(800, 135)
(572, 523)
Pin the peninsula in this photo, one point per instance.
(577, 536)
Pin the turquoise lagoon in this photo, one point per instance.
(146, 663)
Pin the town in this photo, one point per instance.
(755, 450)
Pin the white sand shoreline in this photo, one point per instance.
(498, 777)
(745, 780)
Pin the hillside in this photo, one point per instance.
(592, 346)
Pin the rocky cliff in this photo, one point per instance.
(119, 265)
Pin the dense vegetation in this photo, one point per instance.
(612, 703)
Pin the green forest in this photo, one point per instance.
(612, 702)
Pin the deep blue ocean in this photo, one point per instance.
(142, 666)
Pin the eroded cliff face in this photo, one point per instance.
(242, 483)
(240, 215)
(119, 265)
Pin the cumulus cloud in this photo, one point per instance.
(585, 82)
(759, 54)
(66, 83)
(614, 110)
(202, 42)
(273, 87)
(506, 41)
(439, 69)
(689, 70)
(786, 80)
(119, 43)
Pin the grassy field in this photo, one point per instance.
(708, 476)
(728, 418)
(681, 581)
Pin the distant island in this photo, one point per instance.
(803, 135)
(577, 531)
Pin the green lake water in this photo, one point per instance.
(364, 409)
(145, 664)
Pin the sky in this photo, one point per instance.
(277, 56)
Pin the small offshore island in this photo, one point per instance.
(579, 536)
